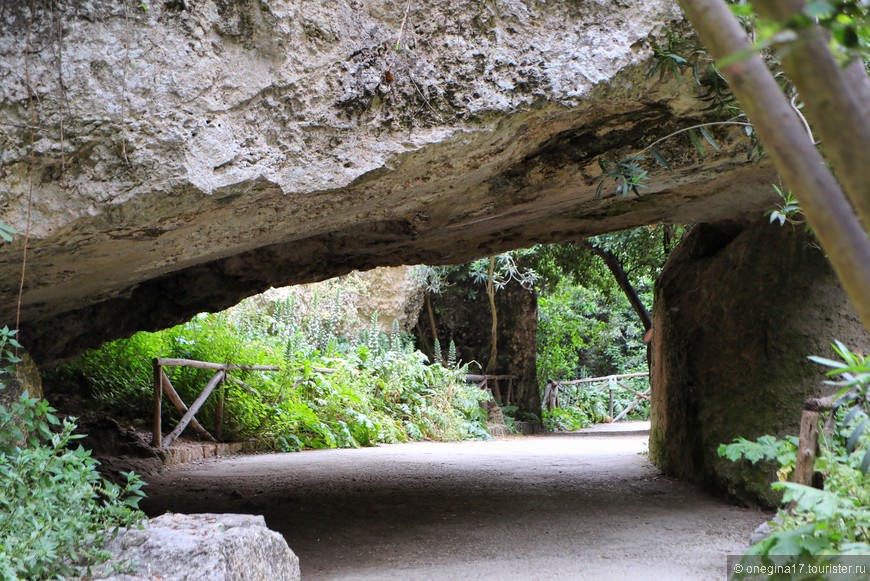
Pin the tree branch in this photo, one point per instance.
(834, 101)
(837, 228)
(616, 268)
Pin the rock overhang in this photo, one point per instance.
(192, 158)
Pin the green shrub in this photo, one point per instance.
(55, 509)
(582, 406)
(565, 420)
(587, 332)
(835, 520)
(332, 391)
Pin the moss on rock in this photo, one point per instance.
(737, 310)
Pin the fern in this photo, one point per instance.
(451, 355)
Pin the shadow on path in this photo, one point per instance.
(573, 506)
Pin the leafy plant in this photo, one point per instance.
(627, 174)
(680, 54)
(675, 57)
(8, 344)
(589, 331)
(56, 511)
(333, 390)
(767, 448)
(716, 92)
(835, 520)
(565, 420)
(852, 375)
(845, 20)
(585, 406)
(6, 232)
(788, 211)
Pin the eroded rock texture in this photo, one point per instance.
(462, 314)
(180, 157)
(24, 380)
(219, 547)
(737, 310)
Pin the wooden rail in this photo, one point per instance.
(482, 382)
(604, 378)
(163, 385)
(552, 397)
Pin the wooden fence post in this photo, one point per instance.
(510, 393)
(157, 429)
(611, 403)
(218, 377)
(496, 391)
(219, 412)
(162, 384)
(808, 446)
(176, 400)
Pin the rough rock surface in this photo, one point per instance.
(348, 302)
(394, 294)
(462, 314)
(187, 154)
(24, 378)
(737, 310)
(217, 547)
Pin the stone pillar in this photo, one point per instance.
(462, 313)
(737, 310)
(517, 340)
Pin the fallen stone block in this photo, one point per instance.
(197, 547)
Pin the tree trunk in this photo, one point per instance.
(836, 226)
(492, 364)
(835, 101)
(615, 266)
(424, 343)
(432, 324)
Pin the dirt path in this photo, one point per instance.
(572, 506)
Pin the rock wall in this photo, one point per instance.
(737, 310)
(24, 378)
(188, 154)
(394, 294)
(462, 314)
(349, 301)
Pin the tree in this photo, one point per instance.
(836, 101)
(642, 250)
(433, 279)
(494, 273)
(629, 255)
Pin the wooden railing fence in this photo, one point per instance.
(482, 381)
(163, 385)
(560, 394)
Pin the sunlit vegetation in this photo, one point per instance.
(333, 390)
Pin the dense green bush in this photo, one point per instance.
(835, 520)
(587, 332)
(332, 390)
(583, 406)
(55, 509)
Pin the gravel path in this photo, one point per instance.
(567, 506)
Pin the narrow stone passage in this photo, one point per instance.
(568, 506)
